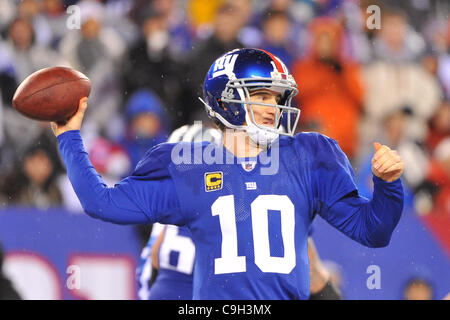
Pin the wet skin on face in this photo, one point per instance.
(264, 115)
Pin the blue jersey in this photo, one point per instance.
(175, 273)
(176, 256)
(249, 221)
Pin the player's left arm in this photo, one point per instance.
(371, 222)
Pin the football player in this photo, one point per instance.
(167, 261)
(166, 265)
(249, 202)
(166, 268)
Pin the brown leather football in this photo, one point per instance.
(51, 94)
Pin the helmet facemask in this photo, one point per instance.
(245, 87)
(260, 133)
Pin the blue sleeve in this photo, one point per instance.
(147, 196)
(369, 222)
(333, 175)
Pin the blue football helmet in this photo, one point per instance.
(232, 78)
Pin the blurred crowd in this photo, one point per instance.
(359, 82)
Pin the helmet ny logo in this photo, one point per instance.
(224, 65)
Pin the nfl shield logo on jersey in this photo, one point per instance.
(248, 165)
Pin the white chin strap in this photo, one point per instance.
(259, 136)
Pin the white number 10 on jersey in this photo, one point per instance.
(230, 262)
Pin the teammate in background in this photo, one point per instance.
(167, 264)
(167, 261)
(249, 202)
(159, 278)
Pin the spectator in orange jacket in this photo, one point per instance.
(331, 90)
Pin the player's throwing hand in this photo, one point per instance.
(73, 123)
(387, 163)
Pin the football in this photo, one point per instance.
(51, 94)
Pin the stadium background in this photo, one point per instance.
(359, 82)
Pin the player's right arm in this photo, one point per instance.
(147, 196)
